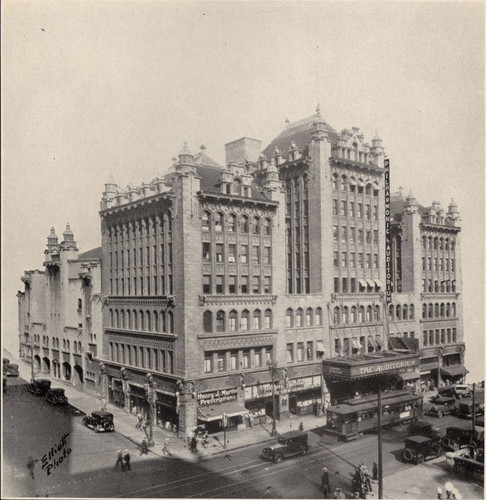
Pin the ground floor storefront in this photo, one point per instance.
(443, 365)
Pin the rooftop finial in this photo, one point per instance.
(202, 147)
(318, 110)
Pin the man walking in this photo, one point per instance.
(139, 421)
(119, 460)
(30, 466)
(126, 456)
(165, 449)
(326, 487)
(375, 471)
(144, 447)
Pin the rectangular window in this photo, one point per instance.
(267, 284)
(375, 212)
(344, 259)
(336, 259)
(442, 336)
(334, 207)
(219, 252)
(336, 285)
(267, 256)
(424, 265)
(368, 237)
(244, 284)
(231, 252)
(206, 283)
(220, 363)
(360, 210)
(256, 255)
(246, 359)
(447, 264)
(360, 261)
(300, 351)
(360, 236)
(351, 234)
(343, 234)
(258, 357)
(436, 264)
(206, 252)
(353, 285)
(375, 261)
(244, 254)
(233, 358)
(426, 337)
(368, 261)
(345, 285)
(343, 208)
(219, 284)
(310, 351)
(207, 364)
(430, 264)
(375, 237)
(290, 353)
(351, 260)
(351, 209)
(368, 212)
(256, 284)
(453, 265)
(441, 264)
(454, 335)
(335, 233)
(232, 284)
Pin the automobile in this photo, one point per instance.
(56, 396)
(287, 445)
(443, 405)
(99, 421)
(420, 448)
(458, 391)
(422, 429)
(456, 437)
(5, 361)
(39, 386)
(10, 370)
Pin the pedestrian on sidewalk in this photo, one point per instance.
(367, 478)
(326, 487)
(144, 447)
(193, 445)
(205, 439)
(165, 449)
(31, 466)
(139, 421)
(126, 456)
(119, 460)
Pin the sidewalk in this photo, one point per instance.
(125, 425)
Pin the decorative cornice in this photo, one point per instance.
(241, 199)
(168, 195)
(439, 296)
(219, 335)
(126, 301)
(230, 300)
(429, 226)
(146, 339)
(357, 298)
(361, 166)
(237, 342)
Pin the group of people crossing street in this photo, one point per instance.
(123, 460)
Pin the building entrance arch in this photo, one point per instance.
(66, 370)
(78, 375)
(37, 363)
(56, 369)
(46, 365)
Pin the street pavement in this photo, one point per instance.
(32, 427)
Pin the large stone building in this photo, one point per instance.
(60, 327)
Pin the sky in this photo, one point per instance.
(93, 89)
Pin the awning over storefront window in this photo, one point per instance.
(409, 375)
(379, 284)
(215, 412)
(371, 283)
(356, 344)
(454, 370)
(363, 282)
(320, 346)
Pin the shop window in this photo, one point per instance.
(220, 321)
(290, 353)
(245, 320)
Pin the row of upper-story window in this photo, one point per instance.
(442, 310)
(437, 264)
(66, 343)
(443, 286)
(356, 261)
(155, 285)
(231, 223)
(344, 315)
(350, 235)
(299, 318)
(436, 243)
(343, 183)
(401, 312)
(233, 360)
(138, 258)
(234, 253)
(233, 284)
(142, 357)
(140, 229)
(353, 209)
(235, 321)
(148, 321)
(356, 285)
(300, 352)
(437, 337)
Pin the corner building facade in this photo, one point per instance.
(212, 274)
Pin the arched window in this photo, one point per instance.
(335, 181)
(268, 319)
(218, 222)
(436, 286)
(368, 189)
(344, 183)
(170, 322)
(411, 312)
(220, 318)
(206, 220)
(345, 315)
(148, 323)
(405, 311)
(453, 309)
(163, 326)
(424, 242)
(298, 318)
(156, 322)
(430, 242)
(308, 317)
(441, 243)
(453, 286)
(361, 314)
(135, 320)
(112, 322)
(208, 321)
(255, 225)
(117, 318)
(142, 320)
(442, 310)
(237, 186)
(424, 311)
(437, 313)
(398, 310)
(245, 320)
(448, 310)
(122, 318)
(129, 319)
(431, 311)
(377, 314)
(369, 314)
(257, 319)
(453, 245)
(318, 316)
(80, 304)
(289, 318)
(267, 227)
(391, 310)
(447, 244)
(232, 320)
(354, 315)
(436, 243)
(231, 223)
(244, 224)
(337, 316)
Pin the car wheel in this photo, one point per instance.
(407, 455)
(420, 458)
(61, 400)
(278, 458)
(85, 421)
(106, 426)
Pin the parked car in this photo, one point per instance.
(420, 448)
(443, 405)
(5, 361)
(288, 444)
(456, 438)
(458, 391)
(56, 397)
(10, 370)
(422, 429)
(99, 421)
(39, 387)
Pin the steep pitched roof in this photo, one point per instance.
(94, 253)
(204, 160)
(298, 132)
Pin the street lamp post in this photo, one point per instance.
(32, 358)
(273, 370)
(440, 353)
(150, 394)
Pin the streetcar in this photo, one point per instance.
(10, 370)
(358, 415)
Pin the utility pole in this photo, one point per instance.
(474, 410)
(32, 358)
(272, 368)
(380, 451)
(225, 423)
(150, 395)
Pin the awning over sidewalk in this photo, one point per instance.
(454, 370)
(409, 375)
(215, 412)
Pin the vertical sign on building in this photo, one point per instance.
(388, 266)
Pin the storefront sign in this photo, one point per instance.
(388, 257)
(215, 397)
(396, 366)
(295, 385)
